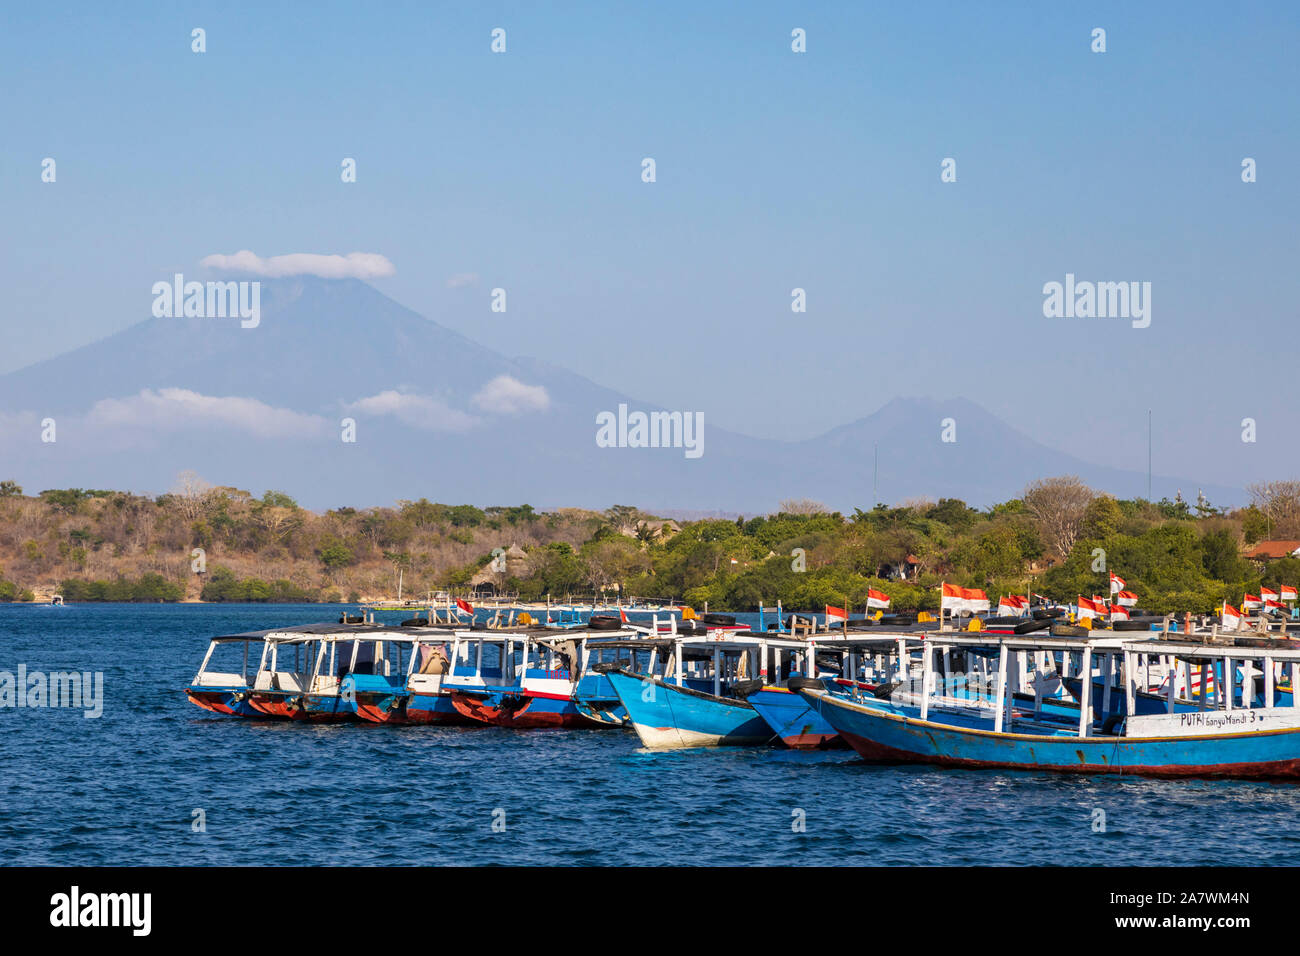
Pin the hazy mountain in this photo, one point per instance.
(441, 416)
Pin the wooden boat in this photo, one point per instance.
(323, 657)
(226, 691)
(530, 678)
(847, 665)
(1252, 742)
(698, 699)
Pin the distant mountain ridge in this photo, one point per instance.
(438, 415)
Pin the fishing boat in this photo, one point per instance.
(529, 678)
(862, 664)
(698, 699)
(1251, 742)
(221, 684)
(303, 668)
(595, 695)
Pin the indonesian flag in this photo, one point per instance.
(1091, 609)
(1126, 598)
(1275, 606)
(877, 598)
(957, 599)
(1116, 583)
(1012, 604)
(836, 614)
(622, 615)
(1230, 619)
(1288, 593)
(1268, 594)
(1250, 602)
(951, 599)
(465, 605)
(976, 599)
(1118, 613)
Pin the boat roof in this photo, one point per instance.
(1034, 641)
(540, 633)
(304, 632)
(1186, 645)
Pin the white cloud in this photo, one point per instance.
(355, 265)
(462, 279)
(509, 396)
(419, 411)
(180, 407)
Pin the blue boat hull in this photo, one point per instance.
(887, 736)
(791, 718)
(666, 716)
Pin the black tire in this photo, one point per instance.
(797, 683)
(604, 622)
(1028, 627)
(742, 689)
(1002, 619)
(1069, 630)
(415, 622)
(719, 620)
(1131, 626)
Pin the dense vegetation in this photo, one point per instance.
(224, 544)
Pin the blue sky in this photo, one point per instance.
(775, 170)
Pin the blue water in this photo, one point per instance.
(122, 789)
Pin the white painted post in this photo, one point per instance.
(998, 718)
(1268, 681)
(1172, 671)
(717, 671)
(1108, 678)
(1226, 686)
(1130, 685)
(1085, 694)
(925, 680)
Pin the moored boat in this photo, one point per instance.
(1253, 742)
(698, 700)
(226, 691)
(528, 678)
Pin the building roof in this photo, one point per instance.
(1271, 550)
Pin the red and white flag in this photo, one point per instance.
(1275, 606)
(1116, 583)
(1251, 603)
(1126, 598)
(622, 615)
(1092, 609)
(1012, 604)
(950, 599)
(877, 598)
(835, 615)
(465, 605)
(1230, 619)
(956, 599)
(1268, 594)
(976, 599)
(1288, 592)
(1118, 613)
